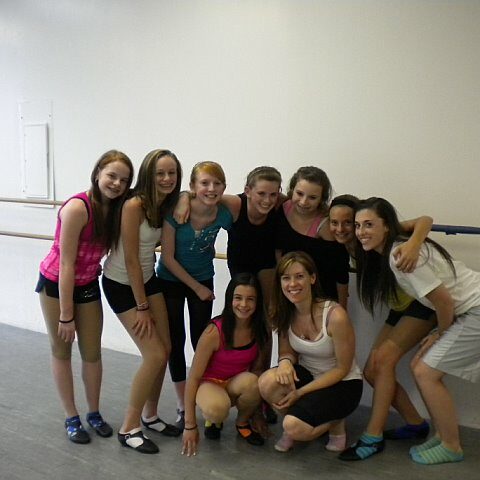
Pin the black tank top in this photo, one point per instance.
(251, 248)
(330, 257)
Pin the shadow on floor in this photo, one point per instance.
(33, 444)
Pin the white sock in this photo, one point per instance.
(157, 425)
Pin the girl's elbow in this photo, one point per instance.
(449, 304)
(66, 265)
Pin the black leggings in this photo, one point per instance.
(200, 313)
(326, 404)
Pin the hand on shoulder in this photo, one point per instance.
(233, 203)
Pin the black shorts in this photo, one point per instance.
(120, 296)
(326, 404)
(415, 310)
(81, 294)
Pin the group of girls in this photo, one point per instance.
(289, 263)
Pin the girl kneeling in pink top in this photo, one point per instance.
(226, 366)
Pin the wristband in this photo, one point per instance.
(191, 428)
(67, 321)
(142, 306)
(285, 358)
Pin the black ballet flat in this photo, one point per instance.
(138, 442)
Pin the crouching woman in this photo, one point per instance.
(225, 367)
(317, 382)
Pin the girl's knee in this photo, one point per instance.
(156, 358)
(61, 351)
(249, 382)
(267, 384)
(90, 352)
(215, 411)
(385, 358)
(421, 371)
(60, 354)
(91, 357)
(293, 426)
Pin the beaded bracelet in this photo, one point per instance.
(143, 306)
(191, 428)
(285, 358)
(67, 321)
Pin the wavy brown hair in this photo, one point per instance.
(282, 311)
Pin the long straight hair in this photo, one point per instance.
(146, 187)
(376, 282)
(257, 322)
(282, 311)
(106, 228)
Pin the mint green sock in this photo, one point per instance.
(432, 442)
(437, 455)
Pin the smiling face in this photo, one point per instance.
(342, 224)
(297, 283)
(244, 302)
(166, 175)
(262, 196)
(113, 180)
(370, 230)
(207, 188)
(307, 197)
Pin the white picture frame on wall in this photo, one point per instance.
(36, 168)
(35, 121)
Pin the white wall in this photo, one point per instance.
(382, 95)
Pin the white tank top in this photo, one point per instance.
(114, 267)
(318, 356)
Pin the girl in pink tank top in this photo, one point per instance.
(226, 366)
(87, 226)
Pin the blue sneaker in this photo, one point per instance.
(95, 420)
(364, 448)
(75, 431)
(408, 432)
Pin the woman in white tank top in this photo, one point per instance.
(317, 382)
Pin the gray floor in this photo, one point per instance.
(33, 444)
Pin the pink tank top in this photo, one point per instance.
(89, 254)
(225, 364)
(316, 224)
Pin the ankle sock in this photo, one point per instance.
(154, 423)
(432, 442)
(336, 443)
(368, 445)
(408, 431)
(131, 432)
(208, 423)
(437, 455)
(180, 416)
(284, 444)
